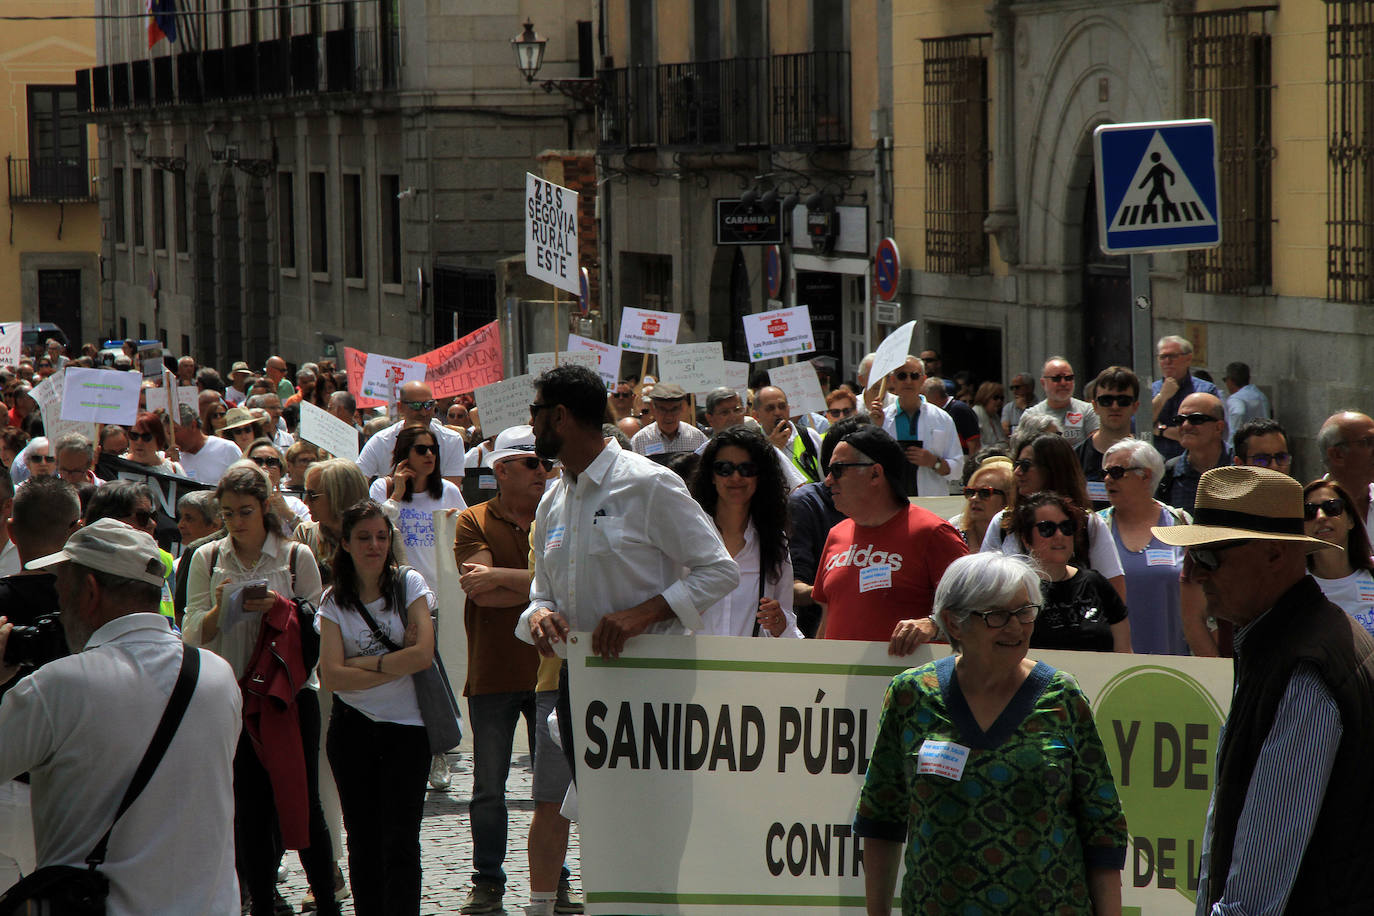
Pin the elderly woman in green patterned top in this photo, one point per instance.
(989, 767)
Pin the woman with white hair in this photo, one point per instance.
(983, 745)
(1168, 616)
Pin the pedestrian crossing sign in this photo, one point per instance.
(1157, 186)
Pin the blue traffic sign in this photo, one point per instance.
(887, 267)
(1157, 186)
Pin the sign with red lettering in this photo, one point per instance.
(466, 364)
(647, 331)
(355, 363)
(781, 332)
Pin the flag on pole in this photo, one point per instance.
(162, 21)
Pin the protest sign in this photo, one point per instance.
(735, 375)
(647, 331)
(11, 342)
(328, 432)
(166, 490)
(697, 367)
(383, 376)
(101, 396)
(150, 361)
(48, 396)
(355, 362)
(892, 353)
(190, 396)
(803, 389)
(674, 733)
(551, 233)
(781, 332)
(540, 362)
(504, 404)
(465, 364)
(608, 356)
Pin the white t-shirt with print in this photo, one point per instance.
(415, 524)
(395, 700)
(1353, 594)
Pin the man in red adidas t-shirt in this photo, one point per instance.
(879, 568)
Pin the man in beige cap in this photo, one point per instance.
(672, 430)
(1302, 716)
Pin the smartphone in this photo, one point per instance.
(255, 591)
(906, 443)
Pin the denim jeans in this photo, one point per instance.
(493, 718)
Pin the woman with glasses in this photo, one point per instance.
(740, 485)
(291, 511)
(239, 428)
(331, 486)
(416, 490)
(983, 746)
(213, 418)
(1346, 576)
(989, 491)
(1168, 616)
(147, 439)
(987, 407)
(225, 611)
(1079, 610)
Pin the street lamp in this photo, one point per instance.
(138, 144)
(221, 151)
(529, 51)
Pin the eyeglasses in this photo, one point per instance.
(1068, 527)
(1058, 378)
(217, 415)
(1333, 508)
(995, 620)
(140, 437)
(1119, 472)
(1115, 400)
(531, 463)
(245, 512)
(1170, 357)
(983, 492)
(1193, 419)
(837, 468)
(311, 494)
(1019, 387)
(1264, 460)
(142, 516)
(839, 413)
(902, 376)
(1366, 442)
(1022, 465)
(745, 468)
(535, 408)
(622, 395)
(44, 459)
(1209, 558)
(421, 449)
(421, 405)
(267, 461)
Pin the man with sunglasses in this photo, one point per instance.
(1167, 392)
(672, 430)
(1116, 391)
(926, 434)
(204, 458)
(1201, 422)
(1076, 419)
(1292, 801)
(622, 400)
(1262, 444)
(1346, 442)
(416, 405)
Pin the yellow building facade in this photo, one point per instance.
(49, 262)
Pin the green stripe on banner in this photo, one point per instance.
(729, 899)
(718, 664)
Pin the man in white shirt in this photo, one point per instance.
(239, 377)
(671, 432)
(1076, 419)
(415, 406)
(926, 433)
(204, 458)
(79, 725)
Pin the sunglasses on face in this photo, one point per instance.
(1333, 508)
(1047, 529)
(44, 459)
(837, 468)
(995, 620)
(1265, 460)
(1022, 465)
(1209, 558)
(839, 413)
(142, 516)
(267, 461)
(531, 463)
(1115, 400)
(421, 449)
(139, 437)
(217, 415)
(743, 468)
(1119, 472)
(1192, 419)
(1059, 378)
(421, 405)
(902, 376)
(622, 395)
(983, 492)
(1019, 387)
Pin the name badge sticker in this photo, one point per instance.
(1365, 592)
(555, 538)
(653, 448)
(874, 577)
(1160, 556)
(942, 758)
(486, 482)
(1097, 490)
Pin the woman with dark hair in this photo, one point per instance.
(324, 387)
(987, 407)
(147, 439)
(1079, 610)
(1048, 462)
(375, 632)
(740, 485)
(414, 492)
(1346, 576)
(12, 442)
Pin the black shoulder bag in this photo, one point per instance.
(65, 890)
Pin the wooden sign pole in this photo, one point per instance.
(557, 328)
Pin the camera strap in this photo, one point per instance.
(157, 747)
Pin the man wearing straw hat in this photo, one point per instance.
(1302, 716)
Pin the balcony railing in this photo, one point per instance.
(796, 101)
(51, 181)
(345, 60)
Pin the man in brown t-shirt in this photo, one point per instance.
(492, 551)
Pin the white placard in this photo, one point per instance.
(607, 355)
(892, 353)
(101, 396)
(328, 432)
(541, 362)
(504, 404)
(551, 234)
(150, 361)
(735, 375)
(697, 367)
(781, 332)
(803, 389)
(189, 395)
(48, 396)
(383, 376)
(647, 331)
(11, 342)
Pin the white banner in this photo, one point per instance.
(551, 234)
(803, 389)
(892, 353)
(697, 367)
(504, 404)
(383, 376)
(11, 342)
(328, 432)
(717, 774)
(101, 396)
(540, 362)
(647, 331)
(48, 396)
(781, 332)
(608, 357)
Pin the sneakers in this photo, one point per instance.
(340, 892)
(483, 898)
(566, 902)
(439, 779)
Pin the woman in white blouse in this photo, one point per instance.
(254, 550)
(740, 485)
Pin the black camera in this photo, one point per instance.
(38, 644)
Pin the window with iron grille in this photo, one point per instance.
(1229, 81)
(956, 135)
(1350, 150)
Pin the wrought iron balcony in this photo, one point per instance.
(788, 101)
(51, 181)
